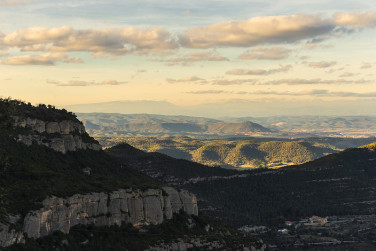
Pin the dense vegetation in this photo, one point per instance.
(338, 184)
(126, 237)
(237, 152)
(30, 174)
(41, 111)
(42, 172)
(165, 166)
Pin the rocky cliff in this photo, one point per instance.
(63, 136)
(137, 207)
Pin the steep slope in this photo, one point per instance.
(45, 190)
(84, 199)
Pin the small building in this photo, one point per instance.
(288, 223)
(318, 220)
(283, 231)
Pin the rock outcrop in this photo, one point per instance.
(61, 136)
(137, 207)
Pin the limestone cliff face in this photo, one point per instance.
(61, 136)
(137, 207)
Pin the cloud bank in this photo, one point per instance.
(99, 42)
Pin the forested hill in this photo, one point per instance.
(81, 198)
(110, 124)
(338, 184)
(240, 153)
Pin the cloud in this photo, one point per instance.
(138, 72)
(120, 41)
(232, 81)
(317, 43)
(331, 70)
(207, 92)
(337, 94)
(258, 30)
(185, 80)
(194, 57)
(260, 82)
(314, 81)
(322, 64)
(314, 92)
(43, 59)
(277, 30)
(366, 66)
(185, 13)
(282, 68)
(347, 74)
(258, 53)
(356, 20)
(8, 3)
(85, 83)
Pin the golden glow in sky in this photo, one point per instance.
(187, 53)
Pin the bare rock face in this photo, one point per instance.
(137, 207)
(52, 127)
(62, 136)
(66, 127)
(9, 236)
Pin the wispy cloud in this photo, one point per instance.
(321, 64)
(232, 81)
(312, 92)
(259, 53)
(282, 68)
(43, 59)
(193, 57)
(86, 83)
(185, 80)
(347, 74)
(314, 81)
(366, 66)
(8, 3)
(207, 92)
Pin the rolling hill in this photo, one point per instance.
(114, 124)
(240, 153)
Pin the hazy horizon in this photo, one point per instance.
(233, 108)
(285, 57)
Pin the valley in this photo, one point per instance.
(309, 193)
(130, 125)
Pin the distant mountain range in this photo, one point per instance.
(117, 124)
(114, 124)
(234, 108)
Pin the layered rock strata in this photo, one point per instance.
(61, 136)
(139, 208)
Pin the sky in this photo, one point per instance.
(191, 53)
